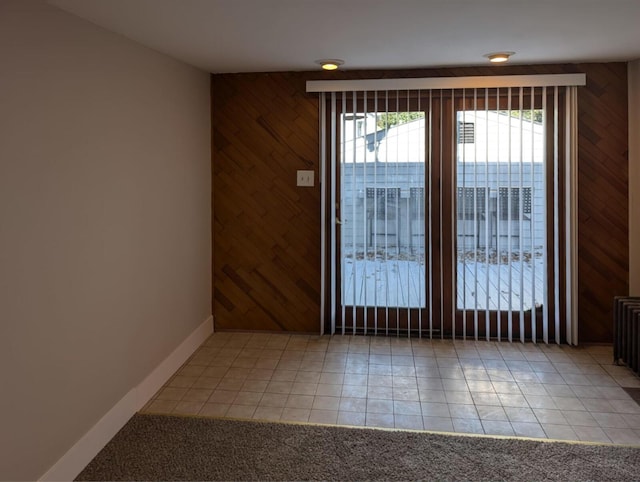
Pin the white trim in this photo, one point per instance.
(476, 82)
(78, 456)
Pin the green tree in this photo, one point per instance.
(390, 119)
(537, 114)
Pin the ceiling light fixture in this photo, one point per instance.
(330, 64)
(499, 57)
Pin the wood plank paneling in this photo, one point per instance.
(603, 202)
(267, 231)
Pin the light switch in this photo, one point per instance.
(305, 178)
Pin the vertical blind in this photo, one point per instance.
(448, 206)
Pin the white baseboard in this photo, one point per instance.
(78, 456)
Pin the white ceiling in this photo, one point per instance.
(289, 35)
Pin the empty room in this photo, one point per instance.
(337, 240)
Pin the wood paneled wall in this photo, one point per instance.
(603, 199)
(266, 231)
(266, 254)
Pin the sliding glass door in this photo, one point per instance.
(382, 213)
(502, 194)
(449, 212)
(394, 258)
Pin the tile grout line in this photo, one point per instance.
(468, 360)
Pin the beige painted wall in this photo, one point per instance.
(634, 177)
(105, 244)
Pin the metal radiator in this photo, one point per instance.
(626, 332)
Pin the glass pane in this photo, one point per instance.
(382, 182)
(500, 209)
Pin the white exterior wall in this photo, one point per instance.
(507, 152)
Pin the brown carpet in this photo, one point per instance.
(157, 447)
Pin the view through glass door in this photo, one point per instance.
(442, 225)
(383, 233)
(501, 222)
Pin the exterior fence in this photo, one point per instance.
(499, 206)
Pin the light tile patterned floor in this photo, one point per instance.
(541, 391)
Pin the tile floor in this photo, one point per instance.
(513, 389)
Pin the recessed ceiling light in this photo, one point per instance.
(330, 64)
(499, 57)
